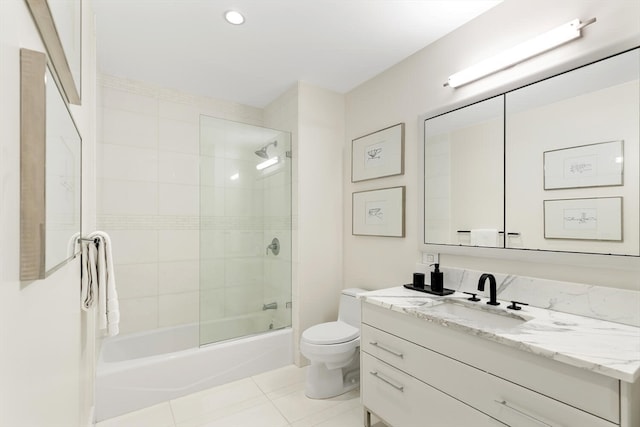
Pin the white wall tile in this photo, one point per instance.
(178, 245)
(136, 280)
(129, 128)
(212, 273)
(179, 111)
(211, 304)
(213, 172)
(134, 246)
(178, 136)
(242, 300)
(178, 276)
(243, 202)
(244, 243)
(123, 100)
(178, 309)
(212, 244)
(138, 314)
(212, 201)
(178, 168)
(127, 197)
(121, 162)
(243, 271)
(178, 199)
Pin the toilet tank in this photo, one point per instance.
(349, 311)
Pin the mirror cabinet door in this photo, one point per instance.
(464, 175)
(572, 172)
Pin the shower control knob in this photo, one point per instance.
(274, 246)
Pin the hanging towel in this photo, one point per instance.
(99, 283)
(89, 281)
(484, 237)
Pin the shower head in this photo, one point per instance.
(262, 152)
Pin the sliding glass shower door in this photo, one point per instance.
(245, 229)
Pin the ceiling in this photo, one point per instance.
(334, 44)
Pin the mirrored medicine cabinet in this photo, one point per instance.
(551, 166)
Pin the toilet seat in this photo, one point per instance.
(330, 333)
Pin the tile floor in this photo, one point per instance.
(273, 399)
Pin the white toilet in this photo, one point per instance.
(333, 348)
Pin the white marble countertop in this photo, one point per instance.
(608, 348)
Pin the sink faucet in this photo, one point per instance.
(492, 287)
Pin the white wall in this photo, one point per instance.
(415, 87)
(315, 117)
(47, 344)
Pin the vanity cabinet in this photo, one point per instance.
(418, 373)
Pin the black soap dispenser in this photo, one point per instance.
(437, 280)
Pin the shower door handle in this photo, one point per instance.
(274, 246)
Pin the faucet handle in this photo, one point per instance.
(513, 305)
(473, 296)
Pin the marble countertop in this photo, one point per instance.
(608, 348)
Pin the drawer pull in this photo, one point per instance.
(391, 383)
(520, 412)
(387, 349)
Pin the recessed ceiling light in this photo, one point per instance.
(234, 17)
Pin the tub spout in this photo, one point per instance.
(270, 306)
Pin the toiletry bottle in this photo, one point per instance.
(437, 281)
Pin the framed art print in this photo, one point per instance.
(378, 154)
(379, 212)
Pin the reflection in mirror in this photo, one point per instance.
(581, 130)
(62, 179)
(464, 185)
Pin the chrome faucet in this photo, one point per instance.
(492, 288)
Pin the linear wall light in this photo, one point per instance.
(520, 53)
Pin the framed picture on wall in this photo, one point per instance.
(583, 219)
(379, 212)
(378, 154)
(593, 165)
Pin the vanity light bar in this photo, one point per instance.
(519, 53)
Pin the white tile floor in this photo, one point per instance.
(272, 399)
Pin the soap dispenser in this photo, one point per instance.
(437, 280)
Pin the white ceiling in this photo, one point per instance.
(334, 44)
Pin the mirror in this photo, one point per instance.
(570, 168)
(572, 160)
(463, 154)
(50, 172)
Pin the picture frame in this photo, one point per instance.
(593, 165)
(378, 154)
(584, 219)
(379, 212)
(50, 172)
(60, 26)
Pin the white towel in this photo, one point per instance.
(99, 283)
(484, 237)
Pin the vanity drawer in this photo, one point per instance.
(403, 401)
(504, 400)
(591, 392)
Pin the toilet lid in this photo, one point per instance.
(330, 333)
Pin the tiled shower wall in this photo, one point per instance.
(148, 196)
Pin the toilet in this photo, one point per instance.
(333, 349)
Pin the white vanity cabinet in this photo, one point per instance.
(417, 373)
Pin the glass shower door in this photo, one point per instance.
(245, 229)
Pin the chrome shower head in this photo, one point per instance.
(262, 152)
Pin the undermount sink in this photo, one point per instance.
(481, 315)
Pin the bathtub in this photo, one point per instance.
(139, 370)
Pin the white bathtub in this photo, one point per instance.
(139, 370)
